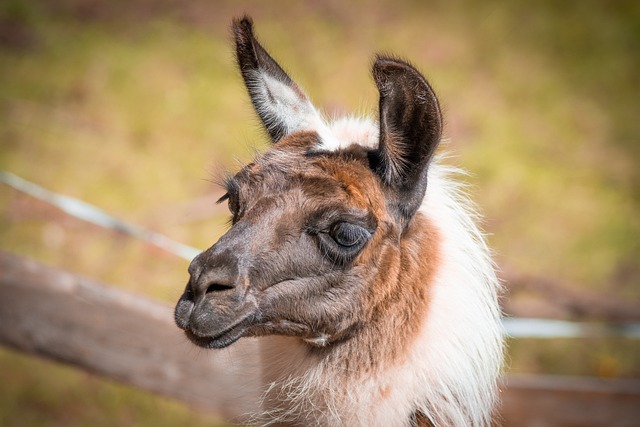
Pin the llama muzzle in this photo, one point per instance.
(214, 310)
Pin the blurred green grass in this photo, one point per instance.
(136, 107)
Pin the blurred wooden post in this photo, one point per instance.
(550, 401)
(127, 337)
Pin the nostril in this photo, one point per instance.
(217, 287)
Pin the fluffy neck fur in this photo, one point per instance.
(448, 370)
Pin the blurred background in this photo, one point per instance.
(137, 107)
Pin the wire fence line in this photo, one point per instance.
(97, 216)
(515, 327)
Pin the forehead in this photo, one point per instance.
(296, 163)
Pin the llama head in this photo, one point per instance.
(318, 231)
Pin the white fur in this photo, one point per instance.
(450, 371)
(319, 341)
(279, 105)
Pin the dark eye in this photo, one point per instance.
(349, 235)
(232, 204)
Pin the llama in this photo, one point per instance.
(354, 252)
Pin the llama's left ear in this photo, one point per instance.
(410, 130)
(280, 103)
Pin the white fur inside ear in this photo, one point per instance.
(280, 106)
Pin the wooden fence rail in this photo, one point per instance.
(132, 339)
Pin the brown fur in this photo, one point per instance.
(420, 420)
(285, 188)
(398, 297)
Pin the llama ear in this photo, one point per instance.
(410, 130)
(280, 103)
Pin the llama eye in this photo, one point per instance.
(232, 204)
(349, 235)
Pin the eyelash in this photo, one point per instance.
(349, 235)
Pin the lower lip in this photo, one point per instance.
(224, 339)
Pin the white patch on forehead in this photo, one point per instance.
(281, 106)
(348, 131)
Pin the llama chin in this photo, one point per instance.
(355, 254)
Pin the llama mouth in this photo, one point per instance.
(222, 339)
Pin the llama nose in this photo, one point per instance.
(211, 274)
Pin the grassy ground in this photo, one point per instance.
(39, 393)
(137, 106)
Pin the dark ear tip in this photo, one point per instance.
(242, 28)
(388, 61)
(390, 64)
(387, 68)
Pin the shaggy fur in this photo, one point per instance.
(357, 256)
(450, 370)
